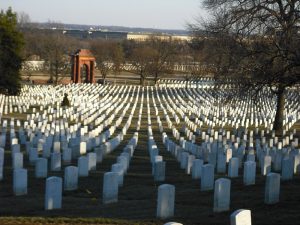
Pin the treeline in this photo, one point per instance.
(151, 58)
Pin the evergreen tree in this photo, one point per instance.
(11, 43)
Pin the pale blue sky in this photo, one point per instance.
(167, 14)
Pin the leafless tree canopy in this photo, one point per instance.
(109, 56)
(154, 57)
(262, 38)
(254, 42)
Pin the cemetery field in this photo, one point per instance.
(147, 137)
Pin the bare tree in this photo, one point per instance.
(23, 20)
(152, 58)
(109, 56)
(117, 57)
(101, 51)
(56, 50)
(190, 60)
(257, 43)
(141, 60)
(163, 57)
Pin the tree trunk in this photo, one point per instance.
(56, 73)
(56, 79)
(51, 73)
(142, 80)
(155, 78)
(104, 78)
(278, 122)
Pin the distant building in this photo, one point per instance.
(92, 34)
(108, 35)
(181, 38)
(144, 37)
(81, 34)
(115, 35)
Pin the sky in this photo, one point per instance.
(165, 14)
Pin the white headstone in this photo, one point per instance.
(233, 168)
(33, 155)
(107, 148)
(189, 163)
(240, 217)
(55, 161)
(184, 160)
(222, 195)
(251, 157)
(16, 148)
(41, 168)
(249, 173)
(14, 141)
(228, 155)
(99, 153)
(272, 189)
(20, 181)
(17, 160)
(287, 169)
(221, 163)
(207, 177)
(197, 168)
(71, 178)
(118, 168)
(53, 195)
(266, 165)
(173, 223)
(67, 155)
(82, 148)
(110, 187)
(159, 170)
(153, 153)
(296, 163)
(83, 166)
(92, 160)
(46, 150)
(279, 156)
(124, 161)
(56, 146)
(165, 201)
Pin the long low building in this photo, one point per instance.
(114, 35)
(144, 37)
(90, 34)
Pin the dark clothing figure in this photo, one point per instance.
(65, 101)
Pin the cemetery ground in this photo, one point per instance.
(137, 198)
(123, 78)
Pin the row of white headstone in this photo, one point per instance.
(176, 134)
(222, 186)
(213, 150)
(157, 162)
(214, 110)
(114, 179)
(111, 180)
(292, 109)
(71, 172)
